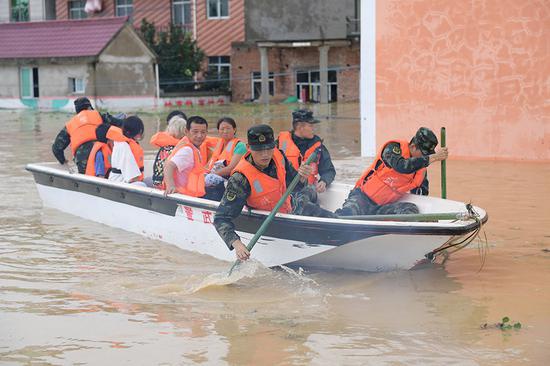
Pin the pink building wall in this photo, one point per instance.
(480, 68)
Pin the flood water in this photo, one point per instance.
(76, 292)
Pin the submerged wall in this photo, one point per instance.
(480, 68)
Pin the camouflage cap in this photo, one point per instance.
(425, 140)
(260, 137)
(303, 115)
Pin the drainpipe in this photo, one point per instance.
(95, 82)
(157, 84)
(194, 20)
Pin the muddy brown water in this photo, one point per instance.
(77, 292)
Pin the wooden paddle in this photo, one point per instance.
(443, 167)
(273, 212)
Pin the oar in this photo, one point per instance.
(410, 217)
(273, 212)
(443, 167)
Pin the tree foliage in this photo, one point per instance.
(179, 56)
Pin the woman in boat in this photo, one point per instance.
(127, 156)
(229, 150)
(399, 168)
(165, 141)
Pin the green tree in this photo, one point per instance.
(179, 56)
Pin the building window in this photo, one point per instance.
(19, 10)
(76, 9)
(217, 9)
(124, 8)
(29, 82)
(257, 84)
(76, 86)
(49, 6)
(219, 67)
(308, 85)
(181, 13)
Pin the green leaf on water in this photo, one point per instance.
(505, 319)
(517, 325)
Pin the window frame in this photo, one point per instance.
(218, 7)
(220, 65)
(73, 85)
(80, 10)
(258, 79)
(18, 20)
(182, 3)
(125, 7)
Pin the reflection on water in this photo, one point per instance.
(73, 291)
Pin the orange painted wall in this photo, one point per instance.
(480, 67)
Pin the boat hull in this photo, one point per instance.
(290, 240)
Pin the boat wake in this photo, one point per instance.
(244, 270)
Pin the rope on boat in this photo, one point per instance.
(458, 243)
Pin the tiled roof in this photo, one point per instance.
(57, 38)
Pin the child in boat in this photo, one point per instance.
(127, 156)
(165, 141)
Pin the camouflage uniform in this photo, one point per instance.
(325, 167)
(358, 203)
(238, 190)
(82, 153)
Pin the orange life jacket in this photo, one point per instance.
(206, 148)
(265, 191)
(383, 184)
(81, 128)
(293, 154)
(163, 139)
(106, 151)
(195, 186)
(223, 153)
(115, 133)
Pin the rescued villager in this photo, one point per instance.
(399, 167)
(166, 141)
(185, 168)
(127, 156)
(80, 133)
(301, 142)
(229, 150)
(99, 160)
(259, 181)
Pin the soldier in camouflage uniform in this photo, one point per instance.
(422, 153)
(63, 139)
(238, 190)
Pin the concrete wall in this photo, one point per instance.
(36, 10)
(297, 19)
(125, 68)
(53, 80)
(9, 88)
(480, 68)
(284, 62)
(4, 11)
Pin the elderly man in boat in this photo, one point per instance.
(399, 168)
(259, 180)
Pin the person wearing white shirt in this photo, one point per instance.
(127, 157)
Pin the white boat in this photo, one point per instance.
(368, 245)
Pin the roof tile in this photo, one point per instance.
(57, 38)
